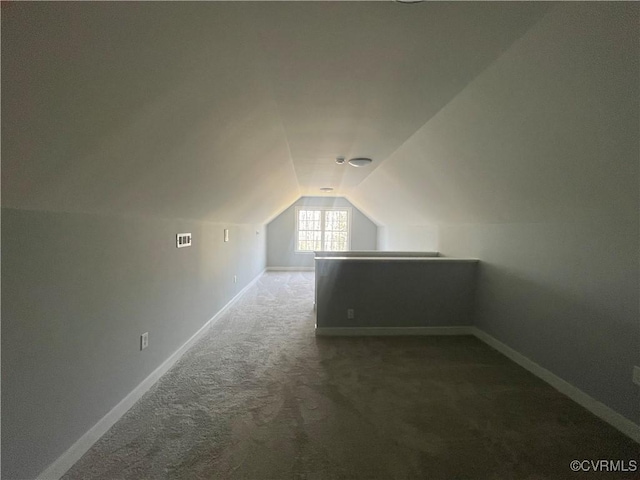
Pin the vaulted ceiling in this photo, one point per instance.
(229, 111)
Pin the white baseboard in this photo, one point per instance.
(599, 409)
(392, 331)
(60, 466)
(290, 269)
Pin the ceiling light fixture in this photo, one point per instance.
(360, 162)
(339, 160)
(327, 189)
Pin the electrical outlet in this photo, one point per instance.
(351, 313)
(235, 279)
(636, 375)
(144, 340)
(226, 234)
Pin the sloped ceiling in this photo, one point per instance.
(549, 132)
(227, 111)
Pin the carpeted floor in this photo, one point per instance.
(260, 397)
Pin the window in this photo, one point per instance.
(320, 228)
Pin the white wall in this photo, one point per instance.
(122, 125)
(408, 238)
(78, 291)
(533, 169)
(559, 281)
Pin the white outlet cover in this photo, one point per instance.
(183, 240)
(144, 340)
(636, 375)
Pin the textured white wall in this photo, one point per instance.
(408, 238)
(82, 289)
(533, 169)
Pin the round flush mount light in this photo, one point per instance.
(339, 160)
(326, 189)
(360, 162)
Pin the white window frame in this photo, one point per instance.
(322, 222)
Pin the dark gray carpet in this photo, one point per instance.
(259, 397)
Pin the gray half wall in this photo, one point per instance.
(78, 290)
(281, 233)
(414, 292)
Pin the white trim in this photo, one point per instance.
(379, 259)
(392, 331)
(599, 409)
(63, 463)
(291, 269)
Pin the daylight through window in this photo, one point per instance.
(322, 229)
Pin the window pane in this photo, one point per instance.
(308, 224)
(330, 220)
(317, 240)
(308, 215)
(328, 241)
(336, 220)
(335, 241)
(311, 236)
(336, 230)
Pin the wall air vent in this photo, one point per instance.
(183, 240)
